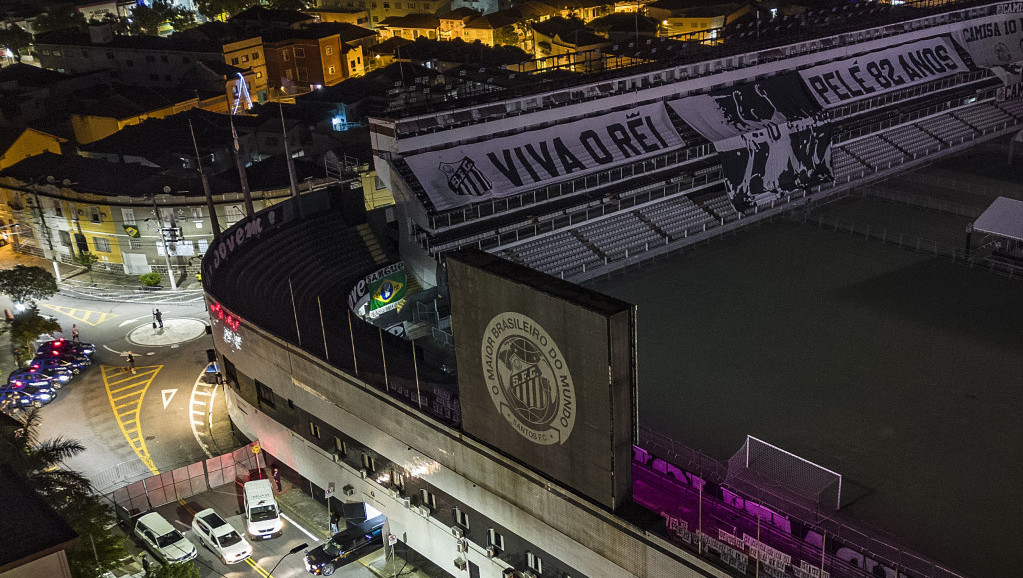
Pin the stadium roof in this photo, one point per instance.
(1003, 218)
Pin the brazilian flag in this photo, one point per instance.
(387, 290)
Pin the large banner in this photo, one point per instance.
(882, 71)
(770, 135)
(508, 165)
(994, 42)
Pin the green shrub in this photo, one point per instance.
(150, 279)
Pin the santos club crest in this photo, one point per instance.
(528, 379)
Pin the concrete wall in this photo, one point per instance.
(582, 535)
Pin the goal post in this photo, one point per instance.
(759, 462)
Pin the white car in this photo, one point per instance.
(163, 540)
(216, 534)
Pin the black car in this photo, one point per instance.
(346, 547)
(61, 347)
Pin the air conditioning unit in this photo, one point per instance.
(348, 490)
(363, 473)
(530, 574)
(491, 551)
(460, 563)
(457, 532)
(407, 502)
(424, 511)
(462, 545)
(394, 493)
(510, 573)
(337, 457)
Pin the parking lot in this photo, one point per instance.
(296, 508)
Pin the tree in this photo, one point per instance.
(15, 38)
(68, 492)
(29, 325)
(148, 19)
(288, 4)
(60, 17)
(185, 570)
(219, 9)
(117, 23)
(26, 284)
(86, 260)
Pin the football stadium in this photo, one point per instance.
(736, 302)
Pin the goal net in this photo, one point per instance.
(763, 465)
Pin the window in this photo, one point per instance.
(411, 5)
(461, 518)
(284, 55)
(534, 563)
(57, 209)
(245, 57)
(369, 462)
(426, 6)
(196, 212)
(300, 53)
(351, 65)
(428, 499)
(163, 58)
(150, 58)
(65, 238)
(154, 77)
(330, 70)
(259, 74)
(234, 62)
(185, 59)
(110, 55)
(128, 216)
(129, 63)
(102, 244)
(203, 245)
(340, 446)
(358, 60)
(167, 77)
(314, 430)
(56, 53)
(330, 50)
(255, 56)
(387, 5)
(134, 244)
(265, 395)
(495, 539)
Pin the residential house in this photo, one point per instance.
(299, 61)
(100, 111)
(357, 16)
(410, 26)
(452, 23)
(584, 10)
(16, 145)
(688, 16)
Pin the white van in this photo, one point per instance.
(262, 514)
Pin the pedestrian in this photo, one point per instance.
(17, 356)
(145, 563)
(131, 363)
(74, 334)
(158, 317)
(8, 315)
(335, 521)
(277, 479)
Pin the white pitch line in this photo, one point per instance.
(304, 531)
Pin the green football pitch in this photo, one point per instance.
(901, 371)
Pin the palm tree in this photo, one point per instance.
(41, 461)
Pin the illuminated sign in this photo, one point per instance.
(218, 312)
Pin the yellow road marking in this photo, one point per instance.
(86, 316)
(131, 427)
(259, 569)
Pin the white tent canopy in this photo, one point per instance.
(1003, 218)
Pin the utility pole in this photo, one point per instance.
(166, 247)
(214, 222)
(49, 239)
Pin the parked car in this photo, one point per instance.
(220, 537)
(160, 538)
(21, 378)
(58, 347)
(71, 362)
(26, 395)
(55, 367)
(346, 546)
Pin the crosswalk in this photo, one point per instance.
(126, 392)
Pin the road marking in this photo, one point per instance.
(139, 384)
(86, 316)
(127, 321)
(168, 395)
(304, 531)
(198, 389)
(112, 350)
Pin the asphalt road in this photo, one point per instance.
(155, 420)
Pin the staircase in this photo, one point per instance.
(370, 240)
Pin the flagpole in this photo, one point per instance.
(383, 356)
(294, 312)
(351, 337)
(323, 328)
(415, 368)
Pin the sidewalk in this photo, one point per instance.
(105, 286)
(313, 517)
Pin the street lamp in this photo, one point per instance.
(294, 550)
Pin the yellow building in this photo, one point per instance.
(28, 143)
(107, 109)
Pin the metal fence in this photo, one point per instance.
(140, 495)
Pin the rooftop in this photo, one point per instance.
(39, 530)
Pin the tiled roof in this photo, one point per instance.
(28, 75)
(423, 21)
